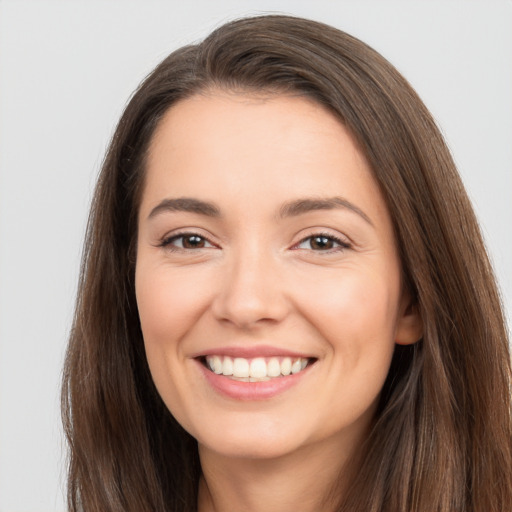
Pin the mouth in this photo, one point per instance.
(256, 369)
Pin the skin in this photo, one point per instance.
(256, 278)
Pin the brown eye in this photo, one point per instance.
(193, 242)
(321, 243)
(186, 241)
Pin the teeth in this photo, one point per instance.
(216, 364)
(227, 366)
(274, 367)
(240, 367)
(257, 369)
(296, 366)
(286, 366)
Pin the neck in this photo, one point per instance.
(307, 480)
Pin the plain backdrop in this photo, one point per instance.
(67, 69)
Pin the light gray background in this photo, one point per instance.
(66, 70)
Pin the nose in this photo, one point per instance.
(251, 293)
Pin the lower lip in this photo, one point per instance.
(251, 390)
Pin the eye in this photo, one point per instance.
(186, 241)
(322, 243)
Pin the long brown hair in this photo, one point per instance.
(442, 439)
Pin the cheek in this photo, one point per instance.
(359, 307)
(169, 303)
(356, 318)
(169, 306)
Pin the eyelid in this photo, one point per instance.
(166, 241)
(343, 242)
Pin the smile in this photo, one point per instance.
(258, 369)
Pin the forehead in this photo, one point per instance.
(281, 124)
(246, 146)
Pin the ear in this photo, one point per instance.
(409, 326)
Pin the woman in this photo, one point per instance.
(285, 301)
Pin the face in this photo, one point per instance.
(267, 276)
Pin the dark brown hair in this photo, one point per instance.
(442, 439)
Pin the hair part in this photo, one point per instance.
(443, 433)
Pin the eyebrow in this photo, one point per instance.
(185, 204)
(306, 205)
(290, 209)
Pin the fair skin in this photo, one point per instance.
(281, 252)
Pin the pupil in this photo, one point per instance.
(194, 241)
(321, 242)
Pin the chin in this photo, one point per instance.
(264, 440)
(250, 449)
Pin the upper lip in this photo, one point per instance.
(249, 352)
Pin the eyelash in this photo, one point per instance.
(342, 244)
(167, 243)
